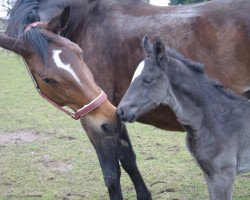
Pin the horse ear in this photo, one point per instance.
(159, 49)
(15, 45)
(59, 22)
(147, 45)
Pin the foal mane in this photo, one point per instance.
(199, 68)
(195, 66)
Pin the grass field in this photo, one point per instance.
(44, 154)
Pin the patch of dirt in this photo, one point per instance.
(174, 148)
(21, 137)
(67, 138)
(166, 190)
(158, 182)
(163, 187)
(58, 165)
(151, 158)
(28, 196)
(70, 196)
(245, 175)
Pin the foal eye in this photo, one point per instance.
(49, 81)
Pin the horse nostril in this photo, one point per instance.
(109, 128)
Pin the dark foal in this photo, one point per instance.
(59, 71)
(216, 120)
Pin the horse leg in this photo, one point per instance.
(106, 150)
(107, 154)
(127, 158)
(220, 184)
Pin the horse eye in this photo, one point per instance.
(147, 80)
(49, 81)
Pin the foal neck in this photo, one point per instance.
(190, 94)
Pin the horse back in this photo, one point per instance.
(219, 37)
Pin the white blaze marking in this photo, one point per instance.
(138, 71)
(60, 64)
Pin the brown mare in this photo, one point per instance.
(215, 33)
(58, 70)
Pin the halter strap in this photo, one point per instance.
(30, 26)
(79, 113)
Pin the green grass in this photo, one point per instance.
(54, 167)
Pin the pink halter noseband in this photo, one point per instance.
(79, 113)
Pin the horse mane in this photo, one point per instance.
(24, 12)
(39, 42)
(200, 69)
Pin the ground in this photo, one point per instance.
(46, 155)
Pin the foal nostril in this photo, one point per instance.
(120, 112)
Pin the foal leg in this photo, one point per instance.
(127, 158)
(220, 184)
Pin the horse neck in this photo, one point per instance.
(84, 12)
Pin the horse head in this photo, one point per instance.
(60, 73)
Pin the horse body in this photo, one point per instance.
(215, 33)
(216, 120)
(62, 77)
(110, 32)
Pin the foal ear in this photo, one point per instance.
(59, 22)
(15, 45)
(147, 45)
(159, 49)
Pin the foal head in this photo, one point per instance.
(58, 69)
(155, 80)
(144, 93)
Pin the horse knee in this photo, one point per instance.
(128, 162)
(111, 179)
